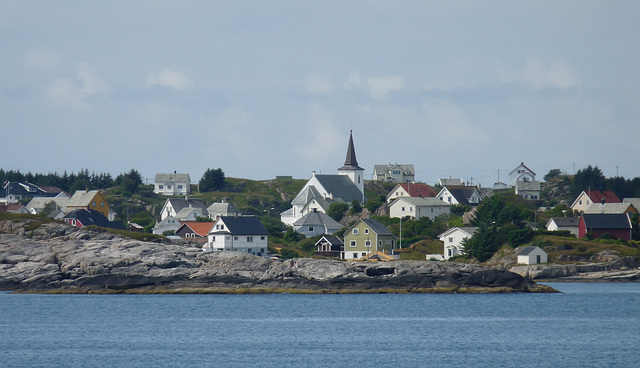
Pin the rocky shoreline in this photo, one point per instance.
(54, 257)
(620, 270)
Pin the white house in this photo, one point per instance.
(460, 195)
(521, 173)
(322, 190)
(529, 189)
(237, 234)
(532, 255)
(223, 208)
(418, 207)
(172, 184)
(453, 238)
(169, 223)
(569, 224)
(410, 190)
(184, 209)
(395, 173)
(588, 197)
(316, 223)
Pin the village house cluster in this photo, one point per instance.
(229, 230)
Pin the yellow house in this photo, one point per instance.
(91, 200)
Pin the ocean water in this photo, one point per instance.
(588, 325)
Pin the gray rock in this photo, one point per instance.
(64, 258)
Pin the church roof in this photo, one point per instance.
(340, 187)
(351, 163)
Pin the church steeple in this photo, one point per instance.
(351, 163)
(351, 167)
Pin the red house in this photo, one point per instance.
(618, 225)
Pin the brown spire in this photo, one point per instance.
(351, 163)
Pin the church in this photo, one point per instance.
(322, 190)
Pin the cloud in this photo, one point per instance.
(377, 87)
(323, 139)
(449, 123)
(70, 93)
(539, 75)
(318, 84)
(168, 78)
(43, 60)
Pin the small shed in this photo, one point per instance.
(532, 255)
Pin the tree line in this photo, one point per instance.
(84, 179)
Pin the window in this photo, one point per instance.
(179, 186)
(366, 231)
(355, 255)
(352, 243)
(73, 222)
(450, 240)
(355, 231)
(93, 203)
(169, 186)
(367, 243)
(101, 203)
(410, 209)
(160, 186)
(262, 238)
(235, 238)
(310, 228)
(250, 239)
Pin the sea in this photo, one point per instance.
(586, 325)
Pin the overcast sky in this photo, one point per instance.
(262, 88)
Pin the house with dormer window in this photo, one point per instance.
(521, 173)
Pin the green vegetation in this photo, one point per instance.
(212, 180)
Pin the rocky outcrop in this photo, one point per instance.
(55, 257)
(621, 269)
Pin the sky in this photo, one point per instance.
(260, 89)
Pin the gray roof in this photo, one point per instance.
(422, 201)
(306, 195)
(317, 218)
(634, 201)
(173, 178)
(224, 208)
(242, 225)
(532, 185)
(333, 240)
(566, 221)
(446, 182)
(39, 203)
(377, 227)
(527, 250)
(606, 221)
(81, 198)
(179, 203)
(608, 208)
(341, 187)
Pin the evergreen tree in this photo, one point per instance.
(212, 180)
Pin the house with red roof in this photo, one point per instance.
(414, 190)
(589, 197)
(521, 173)
(194, 231)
